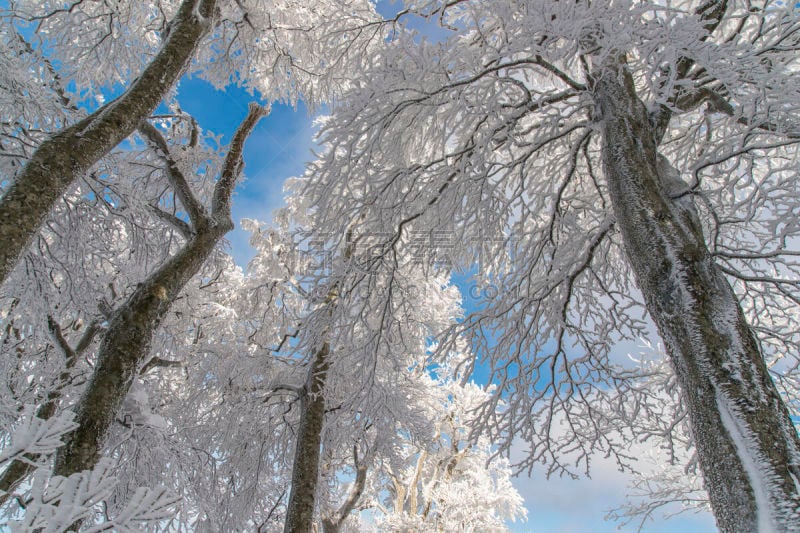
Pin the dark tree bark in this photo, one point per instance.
(747, 445)
(126, 343)
(68, 154)
(305, 470)
(124, 347)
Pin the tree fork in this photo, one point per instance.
(69, 153)
(126, 343)
(333, 522)
(123, 347)
(747, 445)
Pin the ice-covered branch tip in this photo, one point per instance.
(64, 502)
(232, 167)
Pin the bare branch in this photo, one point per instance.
(157, 362)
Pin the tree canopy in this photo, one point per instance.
(601, 173)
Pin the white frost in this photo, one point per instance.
(750, 462)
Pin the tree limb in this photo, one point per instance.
(221, 201)
(182, 227)
(72, 151)
(157, 362)
(195, 210)
(333, 523)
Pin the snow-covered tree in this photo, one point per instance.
(98, 244)
(350, 389)
(591, 160)
(141, 297)
(356, 396)
(126, 343)
(282, 49)
(451, 482)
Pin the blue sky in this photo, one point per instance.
(278, 149)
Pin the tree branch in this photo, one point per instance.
(718, 104)
(332, 524)
(58, 336)
(157, 362)
(183, 228)
(19, 469)
(539, 60)
(72, 151)
(177, 180)
(711, 14)
(232, 167)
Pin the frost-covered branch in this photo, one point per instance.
(127, 340)
(332, 523)
(67, 155)
(21, 467)
(176, 178)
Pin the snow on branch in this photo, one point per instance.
(36, 436)
(55, 504)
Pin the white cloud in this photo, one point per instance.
(566, 505)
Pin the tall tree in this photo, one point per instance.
(743, 431)
(339, 344)
(283, 50)
(591, 160)
(126, 342)
(67, 155)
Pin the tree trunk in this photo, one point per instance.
(126, 342)
(68, 154)
(124, 346)
(747, 445)
(305, 470)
